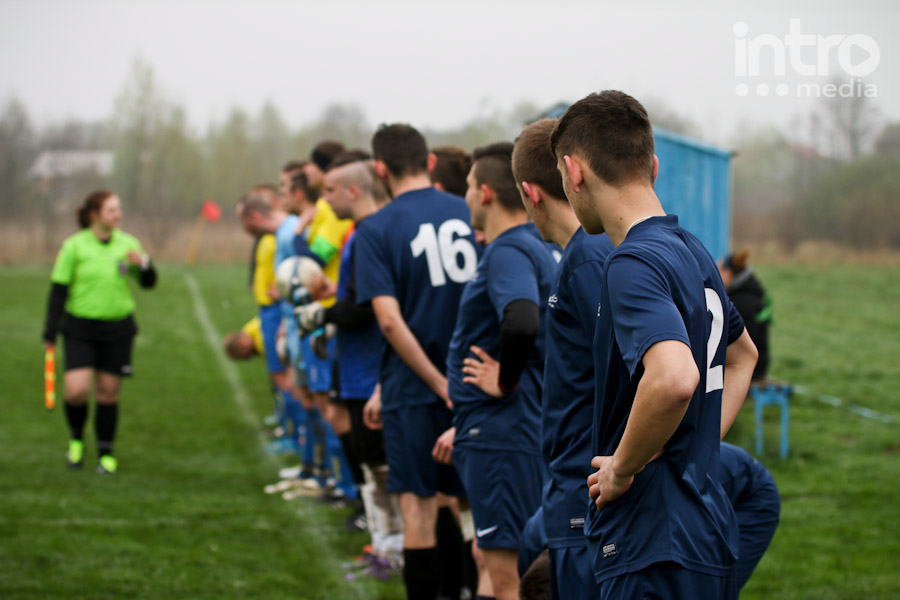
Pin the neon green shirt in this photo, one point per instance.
(97, 274)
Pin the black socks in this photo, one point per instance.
(421, 572)
(76, 415)
(105, 422)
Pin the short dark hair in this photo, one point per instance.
(300, 182)
(293, 165)
(324, 153)
(451, 169)
(612, 132)
(492, 165)
(401, 148)
(533, 160)
(348, 156)
(535, 583)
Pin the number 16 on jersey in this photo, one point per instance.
(442, 251)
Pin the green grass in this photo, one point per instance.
(186, 517)
(836, 333)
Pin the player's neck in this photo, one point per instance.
(410, 183)
(500, 220)
(101, 232)
(361, 210)
(563, 224)
(634, 205)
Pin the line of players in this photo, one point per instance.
(502, 379)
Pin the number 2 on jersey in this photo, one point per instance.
(441, 251)
(715, 376)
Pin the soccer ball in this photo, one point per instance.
(293, 276)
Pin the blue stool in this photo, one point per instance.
(766, 393)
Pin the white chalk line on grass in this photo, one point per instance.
(862, 411)
(240, 394)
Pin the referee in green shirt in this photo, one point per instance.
(91, 303)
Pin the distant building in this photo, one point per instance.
(52, 164)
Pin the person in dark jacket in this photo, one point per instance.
(752, 302)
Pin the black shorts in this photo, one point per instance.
(101, 345)
(368, 444)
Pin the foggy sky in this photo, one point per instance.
(427, 63)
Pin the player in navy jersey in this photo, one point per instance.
(754, 495)
(412, 259)
(495, 367)
(660, 521)
(568, 395)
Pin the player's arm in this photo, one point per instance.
(56, 303)
(514, 292)
(740, 361)
(660, 403)
(405, 344)
(518, 333)
(302, 249)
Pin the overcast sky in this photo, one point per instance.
(437, 63)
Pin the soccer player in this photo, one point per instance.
(265, 292)
(568, 391)
(660, 521)
(757, 505)
(319, 160)
(450, 170)
(412, 259)
(91, 302)
(246, 342)
(496, 402)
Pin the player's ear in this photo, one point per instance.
(533, 193)
(432, 161)
(486, 193)
(576, 172)
(655, 167)
(381, 169)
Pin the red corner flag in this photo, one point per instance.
(211, 211)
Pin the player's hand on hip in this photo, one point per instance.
(443, 448)
(483, 372)
(604, 485)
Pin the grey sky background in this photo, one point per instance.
(427, 63)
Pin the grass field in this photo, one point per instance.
(186, 516)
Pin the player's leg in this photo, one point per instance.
(77, 383)
(504, 490)
(757, 520)
(106, 419)
(503, 566)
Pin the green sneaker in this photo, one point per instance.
(75, 455)
(108, 465)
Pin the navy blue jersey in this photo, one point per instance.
(661, 284)
(515, 266)
(359, 350)
(419, 250)
(568, 398)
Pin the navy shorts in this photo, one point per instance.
(318, 371)
(409, 437)
(101, 345)
(572, 573)
(665, 580)
(504, 490)
(270, 321)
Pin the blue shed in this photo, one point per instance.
(694, 183)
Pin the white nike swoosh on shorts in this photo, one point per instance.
(484, 532)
